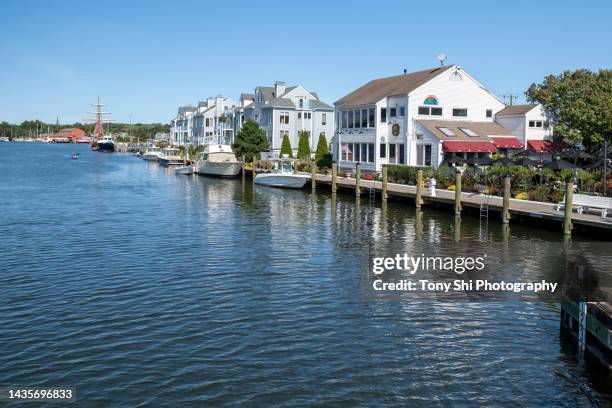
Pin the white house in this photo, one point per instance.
(529, 124)
(209, 122)
(398, 119)
(281, 110)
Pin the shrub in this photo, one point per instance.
(325, 161)
(286, 147)
(321, 147)
(402, 174)
(303, 152)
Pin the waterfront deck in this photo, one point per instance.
(523, 208)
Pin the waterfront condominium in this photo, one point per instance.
(209, 122)
(286, 110)
(423, 117)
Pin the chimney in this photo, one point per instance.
(210, 101)
(279, 89)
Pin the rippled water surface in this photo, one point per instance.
(143, 288)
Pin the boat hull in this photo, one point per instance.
(106, 147)
(281, 180)
(150, 156)
(219, 169)
(170, 161)
(186, 170)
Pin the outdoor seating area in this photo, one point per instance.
(588, 203)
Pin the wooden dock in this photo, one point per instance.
(523, 208)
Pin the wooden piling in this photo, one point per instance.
(385, 181)
(457, 192)
(569, 203)
(506, 201)
(313, 172)
(357, 179)
(243, 168)
(334, 186)
(419, 189)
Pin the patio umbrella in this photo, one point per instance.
(525, 162)
(455, 160)
(502, 161)
(560, 165)
(577, 154)
(484, 161)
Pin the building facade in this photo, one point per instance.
(209, 122)
(281, 110)
(407, 119)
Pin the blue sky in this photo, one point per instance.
(146, 58)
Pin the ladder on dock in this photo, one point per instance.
(484, 207)
(372, 192)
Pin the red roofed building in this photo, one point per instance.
(71, 133)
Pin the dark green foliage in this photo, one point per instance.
(303, 152)
(325, 161)
(250, 141)
(286, 147)
(321, 147)
(401, 174)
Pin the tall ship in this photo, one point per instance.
(101, 141)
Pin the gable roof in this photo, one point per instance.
(378, 89)
(516, 110)
(483, 129)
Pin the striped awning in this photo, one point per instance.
(467, 146)
(507, 142)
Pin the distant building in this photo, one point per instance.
(286, 110)
(209, 122)
(161, 136)
(73, 134)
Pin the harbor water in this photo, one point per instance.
(139, 287)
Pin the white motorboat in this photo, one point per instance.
(218, 160)
(282, 175)
(184, 170)
(152, 153)
(170, 156)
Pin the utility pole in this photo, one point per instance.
(511, 98)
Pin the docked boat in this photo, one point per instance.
(184, 170)
(170, 156)
(105, 144)
(282, 175)
(218, 160)
(152, 153)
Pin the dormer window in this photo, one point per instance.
(301, 102)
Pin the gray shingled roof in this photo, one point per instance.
(515, 110)
(321, 105)
(378, 89)
(186, 109)
(281, 103)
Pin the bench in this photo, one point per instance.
(584, 202)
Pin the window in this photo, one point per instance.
(535, 124)
(357, 118)
(402, 111)
(371, 121)
(323, 119)
(383, 114)
(357, 156)
(393, 112)
(371, 152)
(436, 111)
(364, 118)
(344, 119)
(299, 115)
(423, 155)
(460, 112)
(349, 155)
(423, 110)
(401, 153)
(489, 113)
(307, 115)
(343, 151)
(468, 132)
(446, 131)
(284, 118)
(301, 102)
(383, 150)
(392, 152)
(350, 119)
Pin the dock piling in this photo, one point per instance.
(569, 203)
(313, 172)
(458, 192)
(419, 189)
(385, 181)
(357, 179)
(334, 186)
(506, 202)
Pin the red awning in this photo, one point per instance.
(540, 146)
(507, 143)
(461, 146)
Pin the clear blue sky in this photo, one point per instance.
(146, 58)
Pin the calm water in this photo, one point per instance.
(142, 288)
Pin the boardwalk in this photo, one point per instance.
(519, 207)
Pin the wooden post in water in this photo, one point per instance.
(357, 179)
(334, 175)
(385, 181)
(419, 188)
(569, 203)
(243, 168)
(457, 192)
(506, 202)
(313, 172)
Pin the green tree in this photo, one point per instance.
(250, 141)
(286, 147)
(579, 103)
(303, 152)
(321, 147)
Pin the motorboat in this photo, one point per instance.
(170, 156)
(218, 160)
(283, 175)
(105, 144)
(184, 170)
(152, 153)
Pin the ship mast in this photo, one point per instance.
(99, 118)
